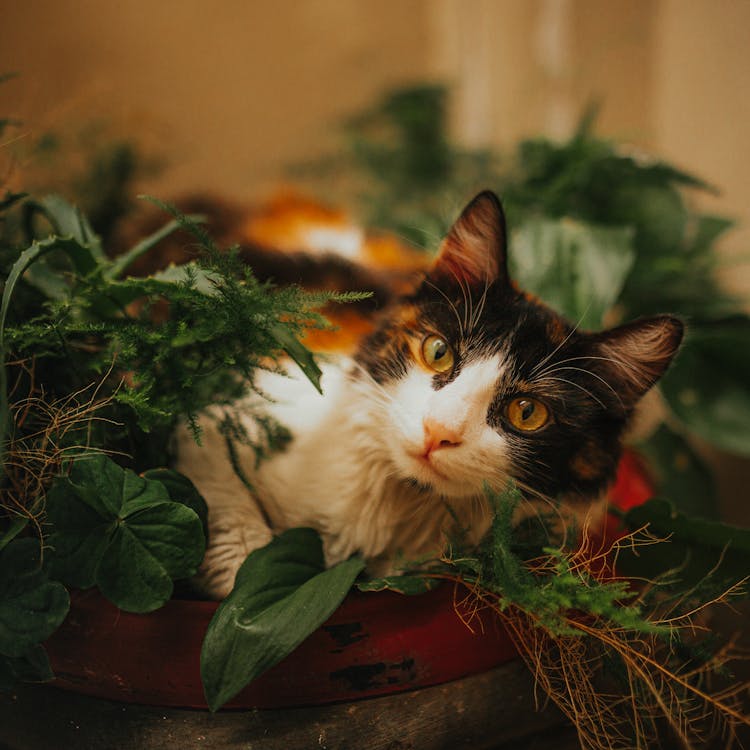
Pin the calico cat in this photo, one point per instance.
(467, 380)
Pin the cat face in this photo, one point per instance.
(476, 381)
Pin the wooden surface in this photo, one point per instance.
(482, 712)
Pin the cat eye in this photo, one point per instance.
(437, 354)
(527, 414)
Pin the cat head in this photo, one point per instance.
(477, 381)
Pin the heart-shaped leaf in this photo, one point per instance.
(123, 533)
(31, 606)
(181, 490)
(282, 594)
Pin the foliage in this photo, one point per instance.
(701, 556)
(620, 660)
(708, 387)
(121, 532)
(401, 168)
(97, 367)
(31, 609)
(283, 592)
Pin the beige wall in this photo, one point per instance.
(229, 91)
(671, 76)
(701, 109)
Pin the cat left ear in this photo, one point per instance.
(475, 250)
(634, 356)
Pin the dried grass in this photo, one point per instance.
(44, 434)
(621, 688)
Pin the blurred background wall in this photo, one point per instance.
(231, 91)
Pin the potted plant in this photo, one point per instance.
(94, 375)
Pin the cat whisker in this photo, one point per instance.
(546, 359)
(554, 509)
(553, 370)
(480, 307)
(618, 362)
(580, 387)
(452, 306)
(371, 381)
(466, 293)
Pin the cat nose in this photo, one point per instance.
(437, 435)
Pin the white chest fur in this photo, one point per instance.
(340, 475)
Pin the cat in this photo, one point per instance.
(467, 380)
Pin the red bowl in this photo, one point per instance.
(374, 644)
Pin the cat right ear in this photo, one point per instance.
(633, 356)
(475, 250)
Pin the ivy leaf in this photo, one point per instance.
(282, 594)
(578, 269)
(707, 386)
(31, 606)
(122, 532)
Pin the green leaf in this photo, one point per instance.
(29, 256)
(121, 263)
(707, 230)
(298, 352)
(123, 533)
(202, 280)
(15, 527)
(51, 282)
(576, 268)
(79, 536)
(681, 474)
(410, 585)
(33, 666)
(131, 576)
(708, 386)
(282, 594)
(181, 490)
(31, 606)
(693, 552)
(68, 220)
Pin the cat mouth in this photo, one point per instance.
(427, 466)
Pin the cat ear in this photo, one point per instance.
(635, 355)
(475, 250)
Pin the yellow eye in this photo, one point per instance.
(437, 354)
(527, 414)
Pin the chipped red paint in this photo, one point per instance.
(376, 643)
(401, 642)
